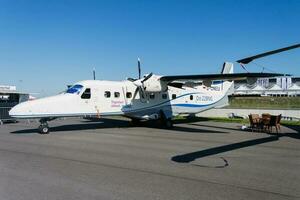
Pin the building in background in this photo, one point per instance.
(9, 97)
(281, 86)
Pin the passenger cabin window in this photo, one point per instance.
(86, 94)
(191, 97)
(117, 94)
(164, 96)
(152, 96)
(107, 94)
(173, 96)
(128, 95)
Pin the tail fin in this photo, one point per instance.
(227, 86)
(227, 68)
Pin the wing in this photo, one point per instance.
(235, 76)
(251, 58)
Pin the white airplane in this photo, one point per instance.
(152, 97)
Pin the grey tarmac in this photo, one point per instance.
(109, 159)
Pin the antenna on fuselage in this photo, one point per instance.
(94, 73)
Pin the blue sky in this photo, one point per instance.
(45, 45)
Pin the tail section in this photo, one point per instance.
(227, 68)
(226, 86)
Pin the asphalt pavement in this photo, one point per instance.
(109, 159)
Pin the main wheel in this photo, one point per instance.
(44, 129)
(135, 122)
(168, 123)
(164, 121)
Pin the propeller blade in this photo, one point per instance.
(139, 68)
(135, 92)
(142, 89)
(147, 77)
(131, 79)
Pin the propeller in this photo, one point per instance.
(139, 68)
(139, 83)
(147, 77)
(139, 72)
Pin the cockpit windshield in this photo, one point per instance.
(75, 89)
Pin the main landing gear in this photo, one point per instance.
(168, 124)
(164, 121)
(135, 122)
(44, 128)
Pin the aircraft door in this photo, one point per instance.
(88, 100)
(96, 101)
(124, 91)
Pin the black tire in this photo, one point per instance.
(135, 122)
(43, 129)
(168, 123)
(164, 121)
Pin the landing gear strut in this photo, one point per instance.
(43, 128)
(164, 121)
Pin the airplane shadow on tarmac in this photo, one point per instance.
(189, 157)
(112, 123)
(86, 125)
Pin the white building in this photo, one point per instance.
(284, 86)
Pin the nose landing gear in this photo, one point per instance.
(44, 128)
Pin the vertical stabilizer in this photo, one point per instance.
(227, 68)
(227, 85)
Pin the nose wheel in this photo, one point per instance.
(43, 128)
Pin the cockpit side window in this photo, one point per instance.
(75, 89)
(107, 94)
(86, 94)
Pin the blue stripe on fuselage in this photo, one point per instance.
(192, 105)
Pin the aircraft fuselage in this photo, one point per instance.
(102, 98)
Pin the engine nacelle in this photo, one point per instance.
(153, 84)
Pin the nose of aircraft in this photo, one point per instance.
(20, 110)
(12, 111)
(54, 105)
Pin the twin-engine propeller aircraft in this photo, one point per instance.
(151, 97)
